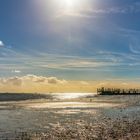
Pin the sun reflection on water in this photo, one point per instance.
(71, 95)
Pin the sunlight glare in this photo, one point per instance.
(70, 3)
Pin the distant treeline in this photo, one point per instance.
(117, 91)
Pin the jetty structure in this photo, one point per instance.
(117, 91)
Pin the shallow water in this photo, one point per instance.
(63, 96)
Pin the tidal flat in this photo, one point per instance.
(69, 116)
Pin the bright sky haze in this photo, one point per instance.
(75, 40)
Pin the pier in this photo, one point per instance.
(117, 91)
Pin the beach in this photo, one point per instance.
(66, 116)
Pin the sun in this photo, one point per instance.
(70, 7)
(69, 4)
(62, 8)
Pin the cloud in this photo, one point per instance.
(131, 8)
(1, 44)
(125, 84)
(54, 80)
(84, 83)
(30, 79)
(41, 79)
(78, 64)
(12, 81)
(134, 49)
(16, 71)
(91, 12)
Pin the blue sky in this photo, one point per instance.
(82, 40)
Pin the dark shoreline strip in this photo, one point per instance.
(22, 96)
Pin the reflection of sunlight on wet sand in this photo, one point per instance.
(68, 111)
(3, 107)
(75, 111)
(69, 105)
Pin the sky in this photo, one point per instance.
(72, 40)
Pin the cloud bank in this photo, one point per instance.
(32, 79)
(31, 84)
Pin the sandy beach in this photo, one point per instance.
(70, 116)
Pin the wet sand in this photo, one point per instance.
(71, 116)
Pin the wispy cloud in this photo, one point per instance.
(134, 45)
(90, 11)
(102, 62)
(78, 65)
(133, 8)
